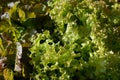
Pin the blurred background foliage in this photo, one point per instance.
(59, 40)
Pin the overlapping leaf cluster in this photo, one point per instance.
(19, 21)
(62, 40)
(87, 42)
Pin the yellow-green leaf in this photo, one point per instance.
(31, 15)
(2, 49)
(8, 74)
(21, 14)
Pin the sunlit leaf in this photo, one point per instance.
(31, 15)
(21, 14)
(2, 49)
(8, 74)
